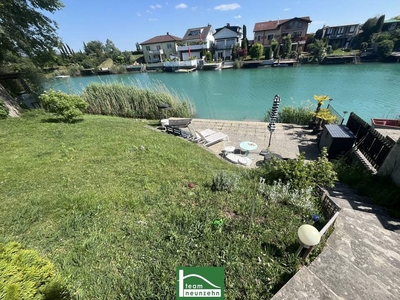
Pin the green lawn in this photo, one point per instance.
(116, 219)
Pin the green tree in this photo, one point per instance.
(274, 47)
(111, 51)
(316, 50)
(287, 45)
(385, 48)
(235, 51)
(245, 44)
(268, 53)
(26, 31)
(318, 34)
(94, 48)
(244, 32)
(256, 51)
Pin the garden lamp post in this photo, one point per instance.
(344, 115)
(273, 117)
(309, 236)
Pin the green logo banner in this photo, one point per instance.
(200, 283)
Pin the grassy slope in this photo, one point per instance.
(117, 220)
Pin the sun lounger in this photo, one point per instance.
(196, 136)
(180, 123)
(213, 138)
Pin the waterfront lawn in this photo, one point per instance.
(117, 218)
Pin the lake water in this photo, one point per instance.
(371, 90)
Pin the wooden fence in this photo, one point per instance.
(373, 145)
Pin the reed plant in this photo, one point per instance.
(135, 100)
(294, 115)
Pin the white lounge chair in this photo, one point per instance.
(196, 136)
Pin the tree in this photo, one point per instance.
(385, 48)
(268, 53)
(111, 51)
(256, 51)
(235, 51)
(244, 32)
(245, 44)
(287, 45)
(25, 31)
(318, 34)
(316, 49)
(94, 48)
(274, 47)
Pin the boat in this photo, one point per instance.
(385, 124)
(212, 66)
(184, 70)
(62, 76)
(280, 65)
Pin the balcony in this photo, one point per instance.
(223, 47)
(156, 52)
(192, 47)
(180, 64)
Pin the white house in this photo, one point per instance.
(225, 39)
(196, 42)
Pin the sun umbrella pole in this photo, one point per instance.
(273, 117)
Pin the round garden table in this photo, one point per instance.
(248, 146)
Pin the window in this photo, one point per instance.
(352, 28)
(150, 57)
(299, 24)
(330, 30)
(169, 46)
(341, 30)
(258, 38)
(289, 25)
(148, 48)
(158, 47)
(270, 37)
(195, 32)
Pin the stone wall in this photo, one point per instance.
(391, 165)
(9, 102)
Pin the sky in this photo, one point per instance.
(126, 22)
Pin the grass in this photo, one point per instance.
(107, 201)
(108, 63)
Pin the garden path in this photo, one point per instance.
(361, 259)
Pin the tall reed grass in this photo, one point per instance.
(135, 100)
(293, 115)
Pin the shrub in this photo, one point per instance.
(300, 173)
(385, 48)
(68, 107)
(224, 181)
(26, 275)
(3, 110)
(280, 192)
(118, 99)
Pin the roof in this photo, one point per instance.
(194, 33)
(344, 25)
(392, 21)
(271, 25)
(233, 28)
(161, 39)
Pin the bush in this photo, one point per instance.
(385, 48)
(68, 107)
(3, 110)
(224, 181)
(299, 173)
(118, 99)
(26, 275)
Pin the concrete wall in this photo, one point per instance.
(391, 165)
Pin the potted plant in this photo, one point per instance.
(320, 100)
(324, 116)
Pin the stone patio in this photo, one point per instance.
(286, 142)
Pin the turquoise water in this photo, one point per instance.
(370, 90)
